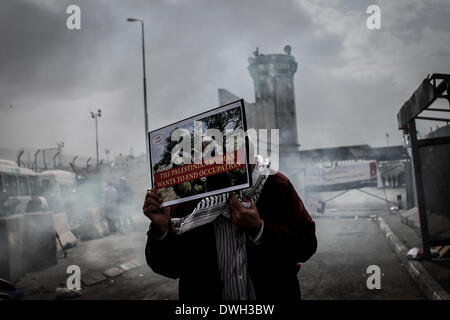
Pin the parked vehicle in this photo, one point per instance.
(17, 184)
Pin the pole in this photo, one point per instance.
(96, 137)
(60, 146)
(43, 158)
(54, 159)
(420, 192)
(35, 160)
(145, 106)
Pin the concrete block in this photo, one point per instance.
(406, 214)
(128, 265)
(411, 219)
(94, 226)
(91, 277)
(414, 222)
(113, 272)
(27, 244)
(62, 227)
(137, 262)
(11, 247)
(39, 245)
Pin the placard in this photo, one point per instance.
(201, 156)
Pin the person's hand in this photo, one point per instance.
(154, 211)
(247, 219)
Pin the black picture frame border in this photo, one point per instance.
(246, 141)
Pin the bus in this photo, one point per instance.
(58, 187)
(17, 184)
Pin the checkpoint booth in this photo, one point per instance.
(430, 158)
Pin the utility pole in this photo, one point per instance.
(95, 116)
(35, 160)
(60, 146)
(145, 97)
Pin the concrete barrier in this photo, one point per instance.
(62, 228)
(94, 225)
(27, 244)
(11, 247)
(39, 245)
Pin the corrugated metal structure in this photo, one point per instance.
(430, 157)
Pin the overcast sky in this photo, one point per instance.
(349, 86)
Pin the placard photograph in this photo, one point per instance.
(206, 166)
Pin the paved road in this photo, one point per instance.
(338, 269)
(96, 256)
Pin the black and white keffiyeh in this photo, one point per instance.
(230, 240)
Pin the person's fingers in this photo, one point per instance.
(234, 218)
(236, 203)
(248, 204)
(231, 201)
(247, 212)
(147, 214)
(166, 211)
(236, 214)
(247, 200)
(231, 198)
(152, 191)
(152, 215)
(152, 201)
(158, 194)
(153, 194)
(149, 210)
(153, 208)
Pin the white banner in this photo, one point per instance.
(341, 177)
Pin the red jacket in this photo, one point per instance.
(288, 238)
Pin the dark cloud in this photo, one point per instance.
(349, 86)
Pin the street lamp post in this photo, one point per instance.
(95, 116)
(145, 95)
